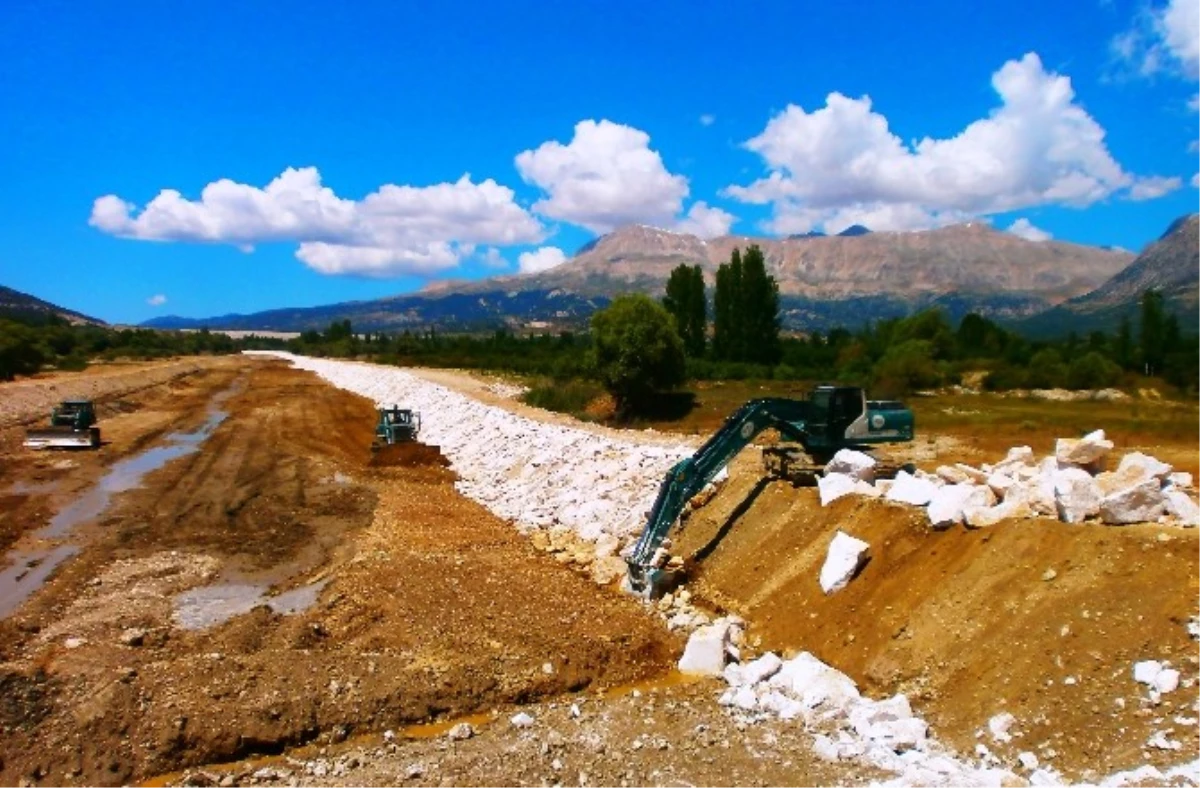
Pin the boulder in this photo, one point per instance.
(986, 516)
(1180, 480)
(911, 490)
(1138, 465)
(1141, 503)
(1181, 506)
(1017, 455)
(1001, 725)
(854, 464)
(1076, 495)
(815, 684)
(705, 653)
(1037, 494)
(832, 486)
(760, 669)
(1088, 451)
(949, 502)
(1000, 483)
(952, 475)
(972, 473)
(845, 557)
(867, 489)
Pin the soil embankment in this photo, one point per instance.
(1037, 618)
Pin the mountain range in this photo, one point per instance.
(1170, 265)
(14, 303)
(824, 281)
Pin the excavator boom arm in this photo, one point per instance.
(690, 475)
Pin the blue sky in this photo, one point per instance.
(413, 142)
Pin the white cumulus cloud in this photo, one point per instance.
(705, 221)
(1026, 229)
(539, 260)
(394, 230)
(1165, 38)
(608, 176)
(841, 164)
(156, 300)
(1151, 188)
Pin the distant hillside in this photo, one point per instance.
(1171, 265)
(824, 281)
(14, 303)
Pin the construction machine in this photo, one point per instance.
(72, 426)
(396, 425)
(830, 419)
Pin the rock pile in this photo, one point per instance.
(536, 474)
(1073, 485)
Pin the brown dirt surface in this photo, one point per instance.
(426, 604)
(1034, 617)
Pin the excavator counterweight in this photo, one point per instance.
(830, 419)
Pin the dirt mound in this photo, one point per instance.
(1037, 618)
(407, 455)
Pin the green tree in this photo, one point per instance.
(726, 306)
(1154, 331)
(906, 367)
(685, 300)
(1092, 371)
(636, 351)
(1046, 370)
(1123, 348)
(759, 313)
(19, 351)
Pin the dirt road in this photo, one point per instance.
(268, 588)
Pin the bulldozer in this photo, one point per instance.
(396, 425)
(831, 418)
(72, 426)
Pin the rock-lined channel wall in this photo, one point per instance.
(536, 474)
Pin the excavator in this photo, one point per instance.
(830, 419)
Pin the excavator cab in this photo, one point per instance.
(832, 411)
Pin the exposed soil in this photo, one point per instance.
(1034, 617)
(429, 605)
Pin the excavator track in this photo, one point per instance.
(793, 464)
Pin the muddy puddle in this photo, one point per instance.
(208, 606)
(29, 567)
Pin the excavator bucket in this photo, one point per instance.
(62, 438)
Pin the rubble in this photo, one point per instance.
(1141, 503)
(845, 557)
(1076, 495)
(708, 649)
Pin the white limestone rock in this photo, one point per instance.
(845, 557)
(948, 504)
(522, 720)
(1000, 483)
(1087, 451)
(1001, 725)
(1144, 466)
(1180, 480)
(760, 670)
(855, 464)
(972, 473)
(706, 651)
(1141, 503)
(1076, 495)
(986, 516)
(832, 486)
(909, 489)
(1181, 506)
(815, 684)
(952, 475)
(1036, 494)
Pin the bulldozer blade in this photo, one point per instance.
(55, 439)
